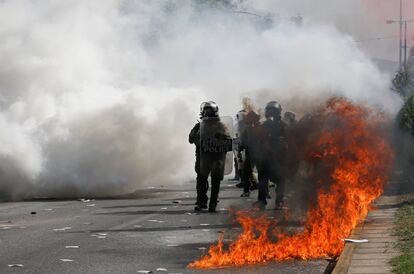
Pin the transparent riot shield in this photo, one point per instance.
(216, 146)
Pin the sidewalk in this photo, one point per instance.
(373, 256)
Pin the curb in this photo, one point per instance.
(344, 260)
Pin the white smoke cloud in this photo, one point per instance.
(97, 97)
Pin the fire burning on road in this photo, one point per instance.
(346, 143)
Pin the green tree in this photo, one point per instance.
(403, 82)
(406, 115)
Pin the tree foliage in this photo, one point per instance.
(406, 115)
(403, 82)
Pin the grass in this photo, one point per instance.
(404, 264)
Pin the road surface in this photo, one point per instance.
(152, 229)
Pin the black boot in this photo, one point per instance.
(215, 188)
(200, 207)
(202, 187)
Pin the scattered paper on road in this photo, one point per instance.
(161, 269)
(86, 200)
(66, 260)
(72, 246)
(100, 235)
(62, 229)
(356, 241)
(155, 221)
(15, 265)
(144, 271)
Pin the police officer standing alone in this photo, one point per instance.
(212, 142)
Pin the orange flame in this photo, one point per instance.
(348, 141)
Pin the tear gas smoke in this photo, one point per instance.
(97, 97)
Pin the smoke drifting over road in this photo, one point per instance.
(97, 97)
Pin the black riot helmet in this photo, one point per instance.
(209, 109)
(273, 110)
(289, 118)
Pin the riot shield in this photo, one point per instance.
(216, 147)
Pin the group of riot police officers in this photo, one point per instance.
(260, 145)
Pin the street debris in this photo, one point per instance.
(48, 209)
(172, 245)
(71, 246)
(204, 224)
(155, 221)
(90, 205)
(33, 212)
(188, 213)
(15, 265)
(86, 200)
(66, 260)
(356, 241)
(100, 235)
(161, 269)
(205, 230)
(164, 208)
(144, 271)
(177, 202)
(62, 229)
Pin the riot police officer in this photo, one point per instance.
(238, 158)
(273, 152)
(289, 118)
(250, 144)
(212, 143)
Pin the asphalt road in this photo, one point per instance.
(155, 229)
